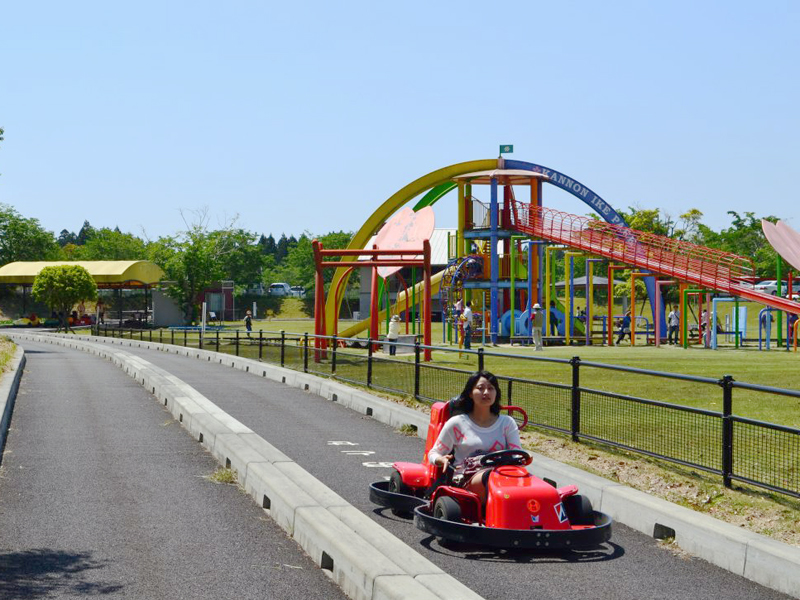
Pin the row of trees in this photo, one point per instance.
(193, 259)
(199, 256)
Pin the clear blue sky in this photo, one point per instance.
(307, 116)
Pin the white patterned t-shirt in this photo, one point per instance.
(463, 438)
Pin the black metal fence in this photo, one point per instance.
(740, 449)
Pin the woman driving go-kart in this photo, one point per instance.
(480, 429)
(473, 485)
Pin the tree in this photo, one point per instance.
(745, 238)
(242, 262)
(111, 244)
(194, 260)
(66, 237)
(85, 234)
(298, 267)
(281, 249)
(61, 287)
(24, 239)
(267, 244)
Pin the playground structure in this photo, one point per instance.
(491, 238)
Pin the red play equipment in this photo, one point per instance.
(377, 261)
(706, 267)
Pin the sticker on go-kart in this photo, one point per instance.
(560, 512)
(534, 519)
(533, 505)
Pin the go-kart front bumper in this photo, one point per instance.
(533, 539)
(379, 494)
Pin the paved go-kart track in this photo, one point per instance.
(104, 490)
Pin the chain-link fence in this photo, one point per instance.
(734, 447)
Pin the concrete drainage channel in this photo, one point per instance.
(344, 541)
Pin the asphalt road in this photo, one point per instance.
(347, 451)
(103, 493)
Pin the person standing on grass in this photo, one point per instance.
(537, 322)
(393, 334)
(467, 319)
(673, 322)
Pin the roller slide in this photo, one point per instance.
(705, 267)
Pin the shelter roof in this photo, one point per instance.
(504, 176)
(106, 273)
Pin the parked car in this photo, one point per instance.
(770, 286)
(298, 291)
(279, 289)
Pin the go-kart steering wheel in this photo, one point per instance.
(506, 457)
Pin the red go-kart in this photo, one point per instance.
(521, 510)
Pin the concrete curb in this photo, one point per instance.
(9, 384)
(364, 559)
(756, 557)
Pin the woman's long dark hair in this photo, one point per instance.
(465, 403)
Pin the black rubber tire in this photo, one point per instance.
(447, 508)
(579, 510)
(397, 486)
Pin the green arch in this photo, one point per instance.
(399, 199)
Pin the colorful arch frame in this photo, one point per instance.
(439, 183)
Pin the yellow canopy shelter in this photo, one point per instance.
(119, 274)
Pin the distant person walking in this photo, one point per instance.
(248, 322)
(537, 322)
(624, 327)
(674, 323)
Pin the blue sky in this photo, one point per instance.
(307, 116)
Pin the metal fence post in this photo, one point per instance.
(172, 336)
(283, 347)
(260, 343)
(160, 336)
(185, 335)
(237, 342)
(417, 368)
(480, 359)
(575, 361)
(369, 362)
(305, 352)
(508, 398)
(217, 340)
(727, 429)
(333, 356)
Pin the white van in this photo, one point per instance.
(279, 289)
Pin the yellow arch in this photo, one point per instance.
(385, 210)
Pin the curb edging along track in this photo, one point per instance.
(756, 557)
(363, 558)
(9, 385)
